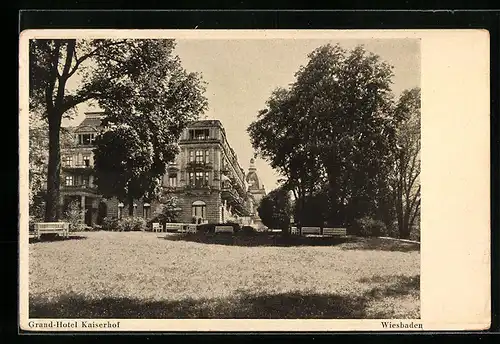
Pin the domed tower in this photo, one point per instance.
(256, 190)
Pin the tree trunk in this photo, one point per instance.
(52, 211)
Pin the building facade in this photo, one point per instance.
(205, 177)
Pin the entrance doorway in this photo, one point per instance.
(88, 211)
(102, 212)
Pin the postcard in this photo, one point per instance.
(254, 180)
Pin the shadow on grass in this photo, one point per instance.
(53, 238)
(393, 285)
(291, 305)
(257, 239)
(379, 244)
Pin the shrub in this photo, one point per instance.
(368, 227)
(131, 224)
(206, 228)
(73, 215)
(236, 226)
(248, 230)
(109, 224)
(165, 212)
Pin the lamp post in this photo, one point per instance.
(120, 210)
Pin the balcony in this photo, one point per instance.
(229, 193)
(77, 168)
(235, 200)
(79, 188)
(198, 185)
(199, 166)
(173, 166)
(199, 139)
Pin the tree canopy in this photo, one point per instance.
(331, 132)
(139, 82)
(275, 209)
(406, 174)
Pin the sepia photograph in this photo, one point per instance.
(234, 178)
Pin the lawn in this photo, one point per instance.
(153, 275)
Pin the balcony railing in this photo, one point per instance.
(173, 165)
(79, 187)
(202, 165)
(198, 185)
(76, 166)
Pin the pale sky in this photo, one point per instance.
(241, 74)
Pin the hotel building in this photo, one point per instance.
(205, 176)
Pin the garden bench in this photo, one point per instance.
(59, 228)
(310, 230)
(334, 231)
(157, 227)
(224, 229)
(173, 227)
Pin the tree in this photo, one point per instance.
(38, 156)
(406, 176)
(167, 210)
(331, 132)
(147, 110)
(275, 209)
(38, 161)
(54, 62)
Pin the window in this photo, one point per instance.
(68, 181)
(198, 209)
(199, 156)
(85, 139)
(68, 160)
(207, 156)
(172, 180)
(199, 134)
(191, 156)
(86, 160)
(198, 179)
(85, 180)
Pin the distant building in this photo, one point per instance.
(256, 191)
(205, 177)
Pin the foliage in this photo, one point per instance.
(73, 215)
(120, 74)
(368, 227)
(236, 226)
(132, 223)
(166, 211)
(331, 132)
(248, 230)
(126, 224)
(406, 173)
(140, 131)
(38, 156)
(275, 209)
(110, 224)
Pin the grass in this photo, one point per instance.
(143, 275)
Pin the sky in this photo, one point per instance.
(241, 74)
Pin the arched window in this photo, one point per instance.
(199, 209)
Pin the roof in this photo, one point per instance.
(205, 123)
(91, 121)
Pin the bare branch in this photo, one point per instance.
(90, 54)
